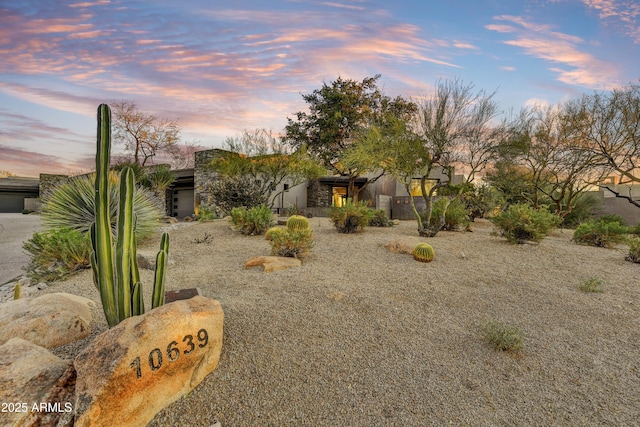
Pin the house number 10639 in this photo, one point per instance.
(156, 356)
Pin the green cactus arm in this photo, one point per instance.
(137, 300)
(123, 243)
(159, 279)
(103, 238)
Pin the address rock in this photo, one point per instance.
(49, 320)
(30, 375)
(135, 369)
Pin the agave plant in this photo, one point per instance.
(72, 205)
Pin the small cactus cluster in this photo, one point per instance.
(270, 233)
(423, 252)
(297, 222)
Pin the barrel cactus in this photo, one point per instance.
(297, 222)
(268, 235)
(423, 252)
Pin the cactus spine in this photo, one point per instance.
(423, 252)
(115, 270)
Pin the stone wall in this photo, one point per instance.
(318, 195)
(203, 176)
(48, 182)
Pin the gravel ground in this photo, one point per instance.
(359, 336)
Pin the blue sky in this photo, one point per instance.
(223, 66)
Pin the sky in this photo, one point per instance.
(220, 67)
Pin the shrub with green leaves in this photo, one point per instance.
(503, 337)
(521, 223)
(378, 218)
(252, 221)
(351, 217)
(604, 232)
(56, 253)
(207, 213)
(455, 217)
(291, 242)
(72, 205)
(634, 250)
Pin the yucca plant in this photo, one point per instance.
(72, 205)
(115, 269)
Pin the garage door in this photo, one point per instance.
(11, 202)
(182, 205)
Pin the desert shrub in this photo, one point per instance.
(72, 205)
(291, 242)
(252, 221)
(228, 193)
(521, 223)
(603, 232)
(423, 252)
(634, 250)
(482, 201)
(350, 218)
(455, 217)
(56, 253)
(378, 218)
(292, 210)
(503, 337)
(592, 285)
(584, 209)
(207, 213)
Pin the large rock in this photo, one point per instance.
(49, 320)
(404, 244)
(29, 377)
(132, 371)
(273, 263)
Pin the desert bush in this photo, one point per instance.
(378, 218)
(291, 242)
(351, 217)
(592, 285)
(455, 217)
(503, 337)
(252, 221)
(634, 250)
(228, 193)
(521, 223)
(603, 232)
(56, 253)
(292, 210)
(586, 206)
(72, 205)
(207, 213)
(482, 201)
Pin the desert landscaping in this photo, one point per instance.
(359, 335)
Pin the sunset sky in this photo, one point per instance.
(219, 67)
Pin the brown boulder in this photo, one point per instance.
(31, 375)
(132, 371)
(49, 320)
(273, 263)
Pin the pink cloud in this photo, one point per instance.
(616, 12)
(573, 66)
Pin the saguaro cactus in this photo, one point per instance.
(115, 269)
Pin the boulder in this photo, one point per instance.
(135, 369)
(49, 320)
(404, 244)
(31, 376)
(273, 263)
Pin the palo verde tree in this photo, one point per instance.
(265, 162)
(144, 135)
(454, 127)
(608, 125)
(339, 113)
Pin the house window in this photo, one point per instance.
(415, 186)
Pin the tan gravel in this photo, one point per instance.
(359, 336)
